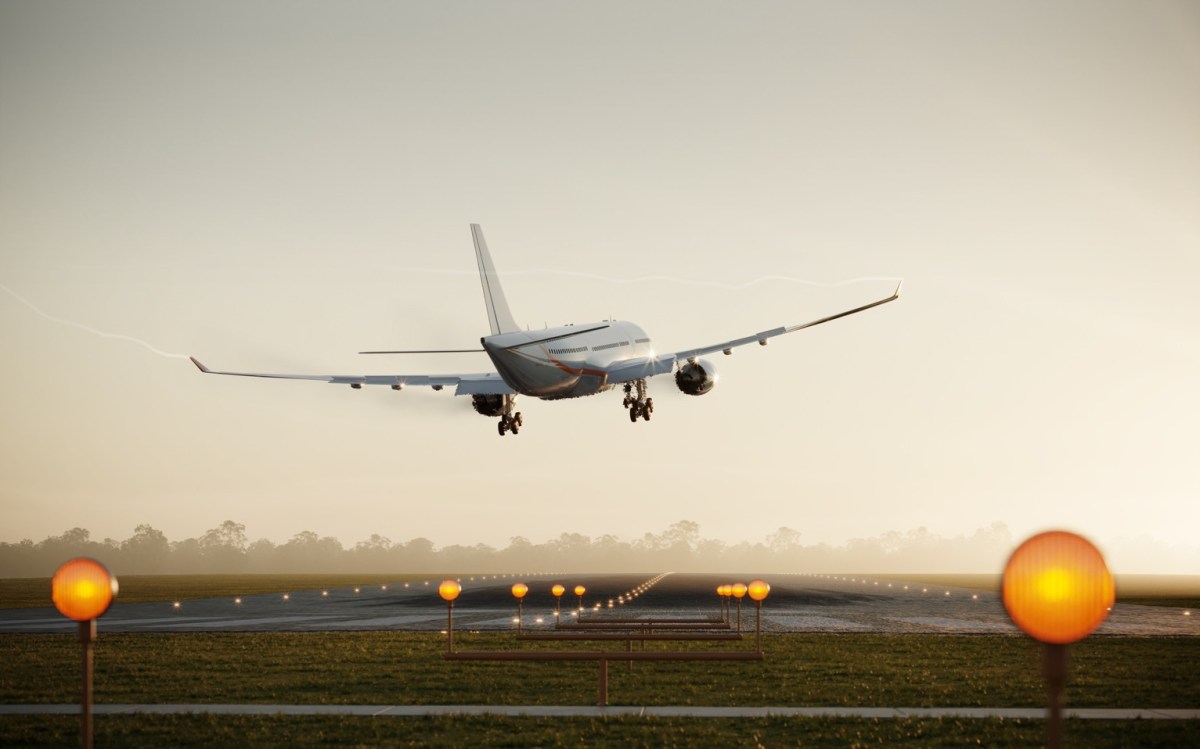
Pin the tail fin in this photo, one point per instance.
(499, 317)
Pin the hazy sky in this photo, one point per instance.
(277, 185)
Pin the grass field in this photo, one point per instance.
(407, 668)
(458, 731)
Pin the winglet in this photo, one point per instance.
(200, 366)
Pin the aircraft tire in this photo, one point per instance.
(634, 412)
(500, 427)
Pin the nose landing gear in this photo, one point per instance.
(638, 404)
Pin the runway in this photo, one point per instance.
(797, 603)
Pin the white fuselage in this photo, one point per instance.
(568, 361)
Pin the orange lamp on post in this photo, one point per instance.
(519, 590)
(758, 590)
(739, 590)
(1057, 589)
(558, 591)
(82, 590)
(579, 591)
(449, 590)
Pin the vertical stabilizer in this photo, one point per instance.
(499, 317)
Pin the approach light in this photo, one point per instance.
(580, 590)
(739, 590)
(449, 590)
(558, 590)
(82, 589)
(519, 590)
(758, 590)
(1057, 588)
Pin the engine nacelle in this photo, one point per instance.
(696, 377)
(488, 405)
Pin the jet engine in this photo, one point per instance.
(488, 405)
(696, 377)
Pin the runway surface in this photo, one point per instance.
(797, 603)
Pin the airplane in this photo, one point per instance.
(569, 361)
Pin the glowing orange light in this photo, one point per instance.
(720, 590)
(580, 590)
(1057, 587)
(758, 589)
(739, 590)
(520, 589)
(83, 589)
(558, 590)
(449, 590)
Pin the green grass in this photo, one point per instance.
(490, 731)
(407, 668)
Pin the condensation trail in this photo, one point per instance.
(85, 328)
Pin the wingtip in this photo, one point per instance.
(199, 366)
(896, 293)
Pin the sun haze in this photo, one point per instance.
(276, 186)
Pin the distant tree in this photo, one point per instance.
(146, 551)
(224, 547)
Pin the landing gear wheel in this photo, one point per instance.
(646, 414)
(649, 406)
(502, 427)
(635, 411)
(518, 421)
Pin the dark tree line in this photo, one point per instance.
(227, 549)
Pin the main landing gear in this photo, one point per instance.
(509, 421)
(638, 405)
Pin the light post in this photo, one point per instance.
(519, 590)
(558, 591)
(1057, 589)
(758, 590)
(739, 590)
(83, 589)
(579, 591)
(726, 592)
(449, 590)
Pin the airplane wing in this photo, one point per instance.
(761, 338)
(484, 383)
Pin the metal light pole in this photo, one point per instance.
(519, 590)
(1057, 589)
(739, 590)
(83, 589)
(758, 590)
(449, 590)
(558, 591)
